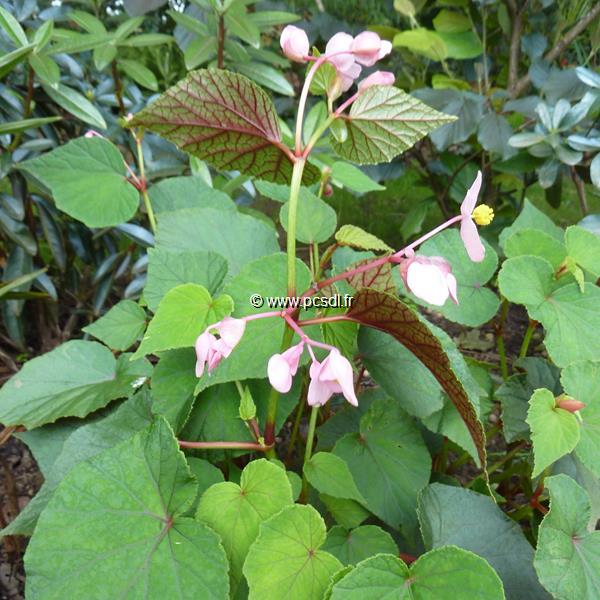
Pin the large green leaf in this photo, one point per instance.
(389, 463)
(74, 379)
(583, 247)
(477, 304)
(387, 313)
(535, 242)
(123, 517)
(227, 120)
(554, 431)
(175, 193)
(121, 326)
(102, 432)
(581, 380)
(167, 270)
(238, 238)
(531, 218)
(569, 315)
(453, 515)
(329, 474)
(235, 512)
(567, 554)
(316, 219)
(447, 572)
(356, 545)
(76, 104)
(384, 122)
(96, 190)
(182, 315)
(285, 561)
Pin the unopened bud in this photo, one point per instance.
(327, 190)
(377, 78)
(569, 404)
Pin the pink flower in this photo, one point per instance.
(210, 350)
(332, 376)
(377, 78)
(347, 77)
(570, 404)
(468, 229)
(282, 367)
(429, 278)
(90, 133)
(368, 48)
(339, 51)
(294, 43)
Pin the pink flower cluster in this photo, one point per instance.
(346, 53)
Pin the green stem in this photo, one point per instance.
(527, 338)
(314, 413)
(291, 229)
(144, 190)
(500, 340)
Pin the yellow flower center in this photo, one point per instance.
(483, 215)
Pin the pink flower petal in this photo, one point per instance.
(231, 330)
(294, 43)
(470, 200)
(427, 282)
(386, 48)
(203, 347)
(470, 238)
(366, 47)
(319, 391)
(338, 370)
(452, 287)
(339, 49)
(279, 372)
(292, 356)
(377, 78)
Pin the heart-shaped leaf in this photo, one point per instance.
(554, 431)
(121, 326)
(96, 191)
(227, 120)
(383, 122)
(74, 379)
(316, 220)
(387, 313)
(567, 554)
(286, 557)
(235, 512)
(355, 545)
(447, 572)
(182, 315)
(329, 474)
(124, 518)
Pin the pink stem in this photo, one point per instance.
(302, 103)
(340, 109)
(264, 315)
(321, 320)
(433, 232)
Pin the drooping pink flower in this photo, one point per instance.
(368, 48)
(294, 43)
(339, 51)
(210, 350)
(282, 367)
(347, 77)
(332, 376)
(468, 229)
(429, 278)
(377, 78)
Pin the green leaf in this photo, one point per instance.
(235, 512)
(238, 23)
(227, 120)
(182, 315)
(206, 475)
(569, 315)
(554, 431)
(13, 28)
(281, 193)
(96, 191)
(176, 193)
(45, 68)
(73, 380)
(266, 76)
(355, 237)
(329, 474)
(238, 238)
(450, 21)
(71, 42)
(448, 572)
(139, 73)
(200, 50)
(583, 247)
(121, 326)
(422, 41)
(567, 554)
(387, 313)
(144, 40)
(266, 276)
(581, 380)
(351, 547)
(167, 270)
(173, 384)
(130, 528)
(102, 432)
(384, 122)
(347, 513)
(353, 178)
(535, 242)
(76, 104)
(291, 540)
(316, 220)
(461, 46)
(531, 218)
(450, 515)
(24, 124)
(476, 303)
(389, 463)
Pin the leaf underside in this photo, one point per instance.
(227, 120)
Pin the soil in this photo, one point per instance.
(20, 477)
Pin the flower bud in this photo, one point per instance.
(377, 78)
(294, 43)
(570, 404)
(368, 48)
